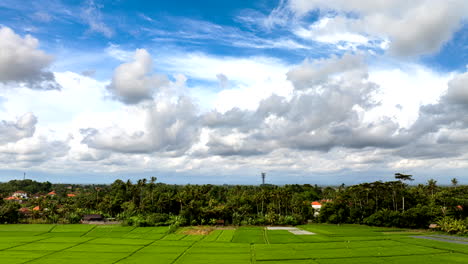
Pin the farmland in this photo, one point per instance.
(119, 244)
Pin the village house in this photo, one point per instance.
(316, 205)
(20, 195)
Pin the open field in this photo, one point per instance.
(117, 244)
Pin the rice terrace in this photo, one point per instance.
(102, 244)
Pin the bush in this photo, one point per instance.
(73, 218)
(335, 213)
(385, 218)
(157, 219)
(154, 219)
(9, 213)
(453, 226)
(417, 217)
(175, 221)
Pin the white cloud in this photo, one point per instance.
(13, 131)
(403, 90)
(32, 151)
(93, 17)
(21, 62)
(321, 112)
(458, 89)
(411, 27)
(333, 30)
(170, 127)
(133, 82)
(251, 79)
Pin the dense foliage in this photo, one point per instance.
(396, 204)
(147, 203)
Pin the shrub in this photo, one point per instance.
(384, 217)
(453, 226)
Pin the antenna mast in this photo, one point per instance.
(263, 178)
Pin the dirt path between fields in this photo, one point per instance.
(449, 239)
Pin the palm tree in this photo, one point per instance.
(151, 186)
(454, 182)
(431, 186)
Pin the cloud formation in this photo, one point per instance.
(13, 131)
(322, 113)
(170, 127)
(411, 27)
(133, 82)
(33, 150)
(93, 17)
(20, 145)
(22, 62)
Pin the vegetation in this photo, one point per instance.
(48, 243)
(148, 203)
(395, 204)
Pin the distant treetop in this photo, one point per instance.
(404, 177)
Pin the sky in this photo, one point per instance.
(192, 92)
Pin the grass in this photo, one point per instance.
(116, 244)
(250, 235)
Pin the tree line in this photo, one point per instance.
(149, 203)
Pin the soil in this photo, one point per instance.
(198, 231)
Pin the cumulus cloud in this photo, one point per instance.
(33, 150)
(458, 89)
(170, 127)
(439, 132)
(133, 82)
(412, 27)
(309, 74)
(23, 127)
(22, 62)
(324, 112)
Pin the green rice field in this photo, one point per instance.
(118, 244)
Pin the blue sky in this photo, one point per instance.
(216, 92)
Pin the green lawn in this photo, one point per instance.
(116, 244)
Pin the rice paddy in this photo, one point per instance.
(329, 244)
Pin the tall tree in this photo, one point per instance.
(454, 182)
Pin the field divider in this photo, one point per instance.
(134, 252)
(183, 253)
(46, 232)
(355, 257)
(252, 254)
(50, 230)
(216, 239)
(25, 243)
(433, 247)
(265, 236)
(87, 232)
(61, 250)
